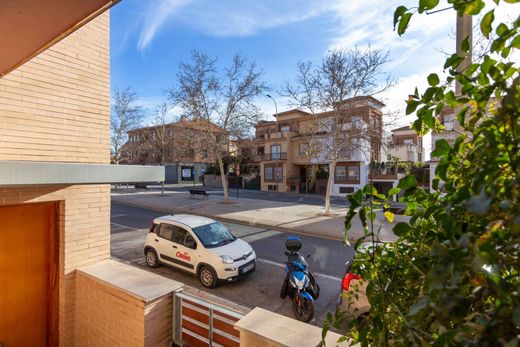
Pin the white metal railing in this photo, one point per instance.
(198, 322)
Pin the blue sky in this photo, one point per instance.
(150, 38)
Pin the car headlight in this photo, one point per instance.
(226, 259)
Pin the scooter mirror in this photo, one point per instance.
(308, 255)
(287, 253)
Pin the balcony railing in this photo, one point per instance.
(383, 170)
(403, 145)
(272, 156)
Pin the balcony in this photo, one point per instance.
(271, 156)
(273, 135)
(407, 146)
(383, 171)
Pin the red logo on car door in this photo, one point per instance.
(184, 256)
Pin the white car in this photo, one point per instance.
(199, 245)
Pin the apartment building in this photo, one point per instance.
(179, 146)
(405, 145)
(59, 286)
(291, 162)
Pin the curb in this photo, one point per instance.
(231, 220)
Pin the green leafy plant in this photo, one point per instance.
(452, 276)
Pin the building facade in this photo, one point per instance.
(291, 161)
(180, 147)
(405, 145)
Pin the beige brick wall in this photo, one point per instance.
(84, 235)
(56, 107)
(158, 322)
(106, 316)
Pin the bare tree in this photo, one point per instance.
(221, 103)
(125, 116)
(158, 135)
(328, 91)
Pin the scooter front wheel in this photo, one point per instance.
(303, 308)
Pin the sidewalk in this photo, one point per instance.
(291, 217)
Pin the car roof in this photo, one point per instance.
(189, 220)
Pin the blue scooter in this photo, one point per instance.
(299, 284)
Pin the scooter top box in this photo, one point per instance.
(293, 244)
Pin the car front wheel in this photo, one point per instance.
(208, 277)
(151, 258)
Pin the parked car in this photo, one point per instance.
(201, 246)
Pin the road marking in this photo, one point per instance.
(316, 274)
(118, 215)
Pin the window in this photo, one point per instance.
(275, 152)
(268, 173)
(346, 173)
(166, 231)
(285, 129)
(260, 151)
(408, 141)
(214, 234)
(179, 234)
(448, 122)
(190, 241)
(304, 148)
(204, 153)
(356, 122)
(341, 173)
(353, 173)
(271, 173)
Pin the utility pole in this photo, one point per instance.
(464, 31)
(276, 143)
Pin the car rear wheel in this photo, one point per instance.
(208, 277)
(151, 257)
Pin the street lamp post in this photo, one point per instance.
(276, 143)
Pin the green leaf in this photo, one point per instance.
(487, 21)
(403, 23)
(398, 14)
(407, 182)
(394, 191)
(465, 46)
(474, 7)
(369, 189)
(401, 228)
(516, 42)
(433, 79)
(428, 4)
(442, 147)
(355, 199)
(502, 29)
(411, 106)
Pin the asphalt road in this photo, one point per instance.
(130, 226)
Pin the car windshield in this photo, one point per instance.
(214, 234)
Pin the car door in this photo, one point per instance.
(163, 243)
(186, 249)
